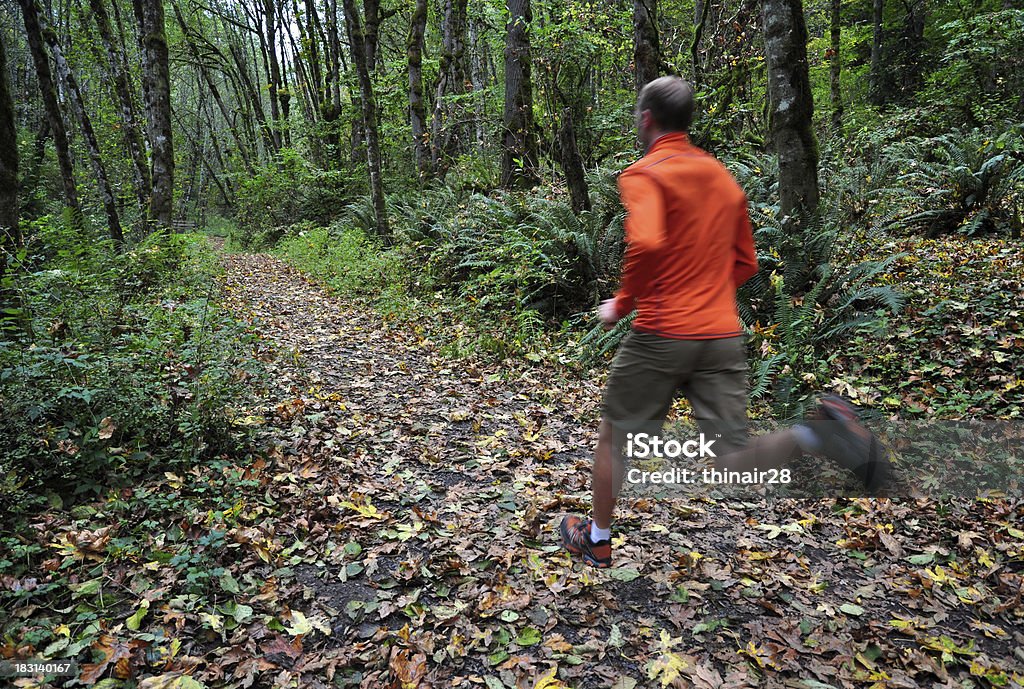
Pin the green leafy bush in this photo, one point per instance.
(112, 365)
(348, 259)
(288, 192)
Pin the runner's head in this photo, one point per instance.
(664, 105)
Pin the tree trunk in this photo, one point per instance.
(646, 43)
(48, 90)
(417, 110)
(81, 114)
(134, 143)
(270, 22)
(445, 132)
(792, 107)
(478, 77)
(371, 34)
(251, 95)
(10, 235)
(572, 163)
(519, 144)
(912, 48)
(330, 111)
(30, 201)
(700, 18)
(214, 91)
(876, 86)
(835, 67)
(155, 73)
(359, 57)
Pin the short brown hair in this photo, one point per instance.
(670, 100)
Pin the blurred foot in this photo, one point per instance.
(576, 539)
(845, 439)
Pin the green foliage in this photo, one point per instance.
(511, 254)
(810, 292)
(115, 365)
(514, 264)
(966, 182)
(981, 70)
(347, 259)
(287, 192)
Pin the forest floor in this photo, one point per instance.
(397, 527)
(406, 535)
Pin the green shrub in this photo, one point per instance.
(349, 260)
(116, 365)
(285, 193)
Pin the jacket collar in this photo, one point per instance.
(671, 140)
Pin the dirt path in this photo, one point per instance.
(412, 502)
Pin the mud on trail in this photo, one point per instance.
(407, 536)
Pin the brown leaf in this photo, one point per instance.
(107, 428)
(891, 544)
(281, 652)
(114, 651)
(408, 670)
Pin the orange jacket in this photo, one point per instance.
(689, 243)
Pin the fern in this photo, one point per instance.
(967, 182)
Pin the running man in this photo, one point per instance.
(689, 247)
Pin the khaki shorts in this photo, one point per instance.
(649, 371)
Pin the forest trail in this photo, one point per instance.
(409, 535)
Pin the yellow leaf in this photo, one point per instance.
(171, 680)
(549, 680)
(214, 622)
(669, 667)
(300, 625)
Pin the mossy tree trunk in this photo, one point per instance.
(791, 105)
(519, 143)
(10, 236)
(156, 76)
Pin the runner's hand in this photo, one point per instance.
(607, 313)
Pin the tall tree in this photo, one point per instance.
(876, 77)
(99, 169)
(117, 68)
(156, 78)
(10, 236)
(519, 144)
(451, 82)
(700, 18)
(373, 159)
(195, 51)
(911, 47)
(269, 41)
(48, 91)
(646, 42)
(417, 109)
(791, 106)
(836, 66)
(571, 160)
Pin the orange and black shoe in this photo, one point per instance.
(576, 539)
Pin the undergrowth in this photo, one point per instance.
(114, 365)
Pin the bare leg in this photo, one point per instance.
(762, 452)
(609, 470)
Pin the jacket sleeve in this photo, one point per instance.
(645, 237)
(745, 266)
